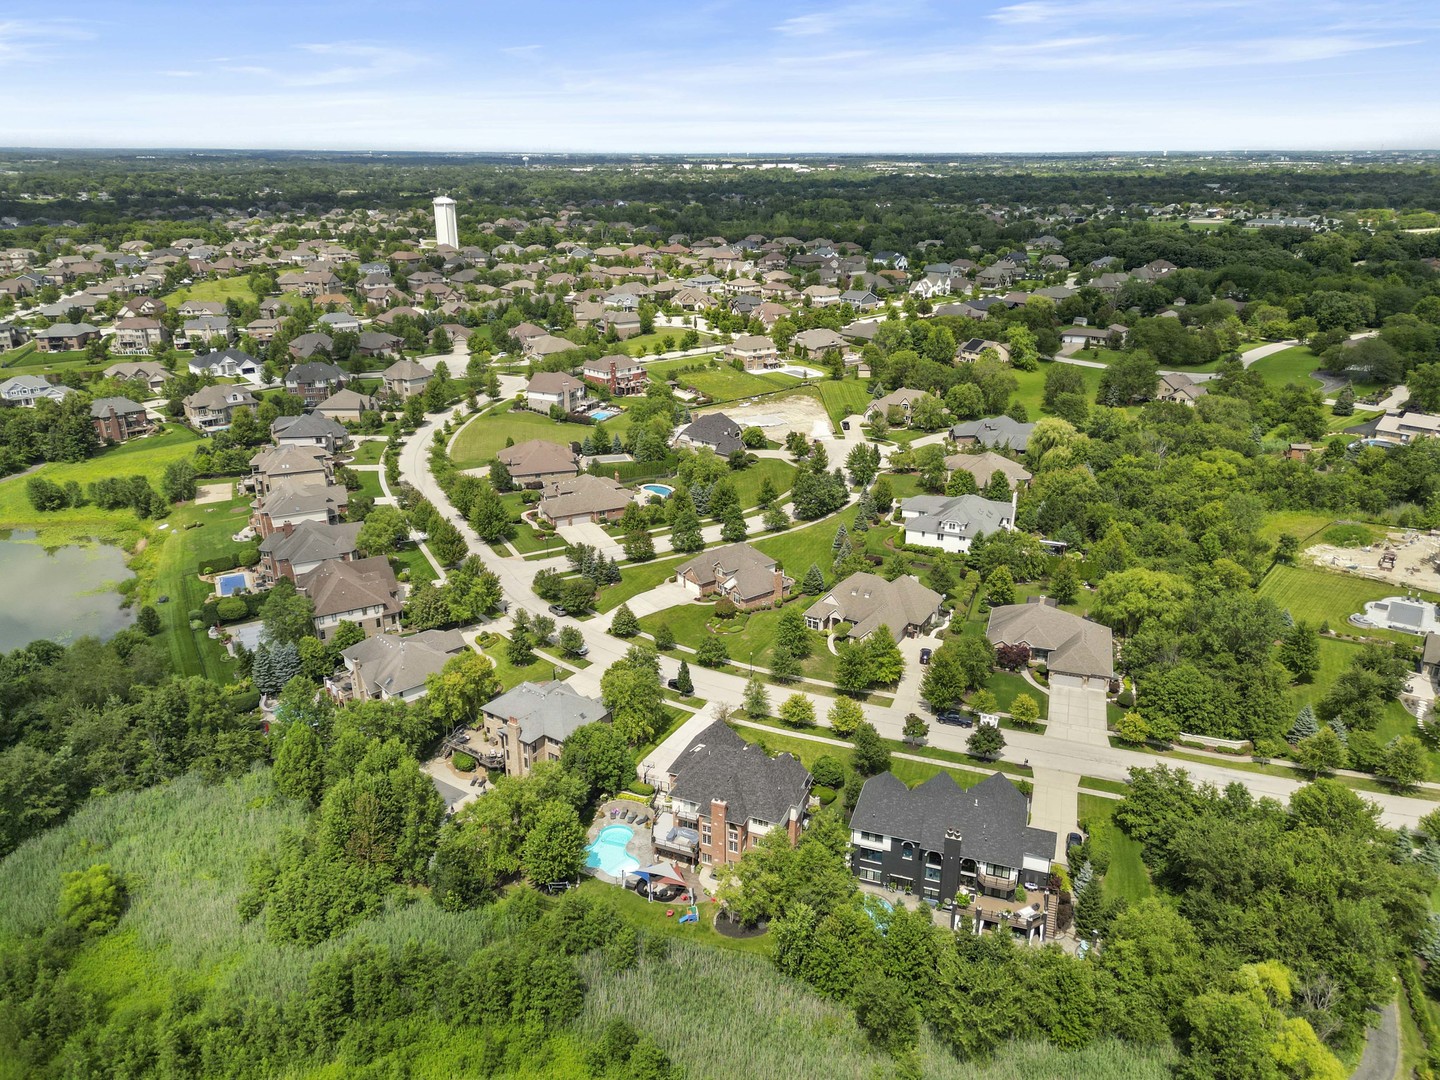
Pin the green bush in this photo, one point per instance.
(232, 609)
(248, 555)
(639, 788)
(463, 761)
(826, 795)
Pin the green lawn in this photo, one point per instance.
(747, 481)
(484, 436)
(1301, 524)
(369, 485)
(411, 558)
(797, 550)
(752, 641)
(1127, 876)
(147, 457)
(217, 289)
(368, 453)
(1007, 687)
(1031, 390)
(1315, 596)
(843, 398)
(724, 383)
(645, 343)
(542, 670)
(637, 578)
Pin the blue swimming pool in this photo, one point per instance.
(230, 584)
(663, 490)
(607, 851)
(604, 414)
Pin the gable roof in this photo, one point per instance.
(537, 457)
(753, 572)
(336, 587)
(101, 407)
(995, 431)
(983, 466)
(719, 765)
(869, 601)
(715, 430)
(398, 665)
(1077, 646)
(312, 542)
(306, 426)
(974, 514)
(552, 710)
(406, 371)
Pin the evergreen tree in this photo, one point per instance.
(814, 583)
(1065, 581)
(757, 698)
(624, 624)
(840, 539)
(285, 664)
(998, 488)
(683, 683)
(299, 771)
(1305, 724)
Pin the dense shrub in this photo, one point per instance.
(463, 761)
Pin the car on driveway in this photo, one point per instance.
(1074, 840)
(924, 656)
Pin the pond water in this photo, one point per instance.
(61, 594)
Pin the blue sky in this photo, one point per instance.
(724, 75)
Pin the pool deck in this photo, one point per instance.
(640, 848)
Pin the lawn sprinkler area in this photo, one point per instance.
(1407, 614)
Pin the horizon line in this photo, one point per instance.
(727, 154)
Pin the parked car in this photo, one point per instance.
(556, 609)
(950, 716)
(1074, 840)
(844, 425)
(924, 656)
(673, 684)
(582, 650)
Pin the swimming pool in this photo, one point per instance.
(603, 414)
(230, 584)
(663, 490)
(607, 851)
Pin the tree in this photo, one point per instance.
(1287, 548)
(945, 681)
(784, 665)
(862, 463)
(985, 742)
(1305, 724)
(624, 624)
(916, 729)
(1300, 651)
(1065, 581)
(886, 1012)
(299, 771)
(92, 900)
(572, 641)
(871, 756)
(999, 587)
(489, 517)
(287, 615)
(455, 693)
(852, 669)
(1132, 729)
(148, 621)
(712, 653)
(555, 845)
(845, 717)
(1404, 762)
(447, 543)
(178, 482)
(757, 699)
(814, 582)
(1024, 709)
(1322, 753)
(1129, 598)
(884, 663)
(683, 683)
(383, 531)
(600, 755)
(798, 711)
(630, 689)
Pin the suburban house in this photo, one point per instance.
(583, 498)
(1178, 387)
(65, 337)
(151, 373)
(211, 408)
(530, 723)
(26, 390)
(307, 345)
(363, 591)
(969, 351)
(1085, 336)
(536, 461)
(292, 550)
(138, 335)
(309, 429)
(377, 343)
(725, 794)
(901, 401)
(547, 389)
(391, 668)
(1076, 651)
(314, 381)
(274, 464)
(952, 524)
(621, 375)
(739, 573)
(544, 345)
(345, 406)
(754, 351)
(199, 331)
(1404, 427)
(405, 378)
(226, 364)
(715, 431)
(816, 342)
(117, 419)
(998, 432)
(867, 601)
(938, 839)
(291, 502)
(1430, 658)
(195, 309)
(984, 465)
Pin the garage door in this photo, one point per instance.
(1058, 679)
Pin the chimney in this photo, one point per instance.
(719, 841)
(779, 586)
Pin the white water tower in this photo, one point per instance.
(447, 232)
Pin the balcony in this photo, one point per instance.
(1001, 882)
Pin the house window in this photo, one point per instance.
(907, 851)
(932, 873)
(870, 856)
(705, 834)
(870, 875)
(873, 838)
(733, 845)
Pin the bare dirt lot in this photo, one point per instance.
(1414, 554)
(213, 493)
(789, 412)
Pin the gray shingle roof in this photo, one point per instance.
(717, 431)
(552, 710)
(719, 764)
(995, 431)
(972, 513)
(312, 541)
(398, 665)
(1077, 646)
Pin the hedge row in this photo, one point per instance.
(248, 555)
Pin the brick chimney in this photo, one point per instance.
(779, 586)
(718, 838)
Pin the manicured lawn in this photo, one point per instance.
(484, 436)
(1031, 390)
(1288, 365)
(542, 670)
(368, 453)
(645, 343)
(146, 457)
(218, 289)
(747, 481)
(369, 485)
(843, 398)
(797, 550)
(1127, 876)
(411, 558)
(754, 639)
(1315, 596)
(636, 579)
(724, 383)
(1007, 687)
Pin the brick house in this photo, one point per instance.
(296, 549)
(364, 592)
(117, 419)
(754, 351)
(314, 381)
(530, 723)
(746, 577)
(621, 375)
(727, 794)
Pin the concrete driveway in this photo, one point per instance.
(1077, 715)
(588, 532)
